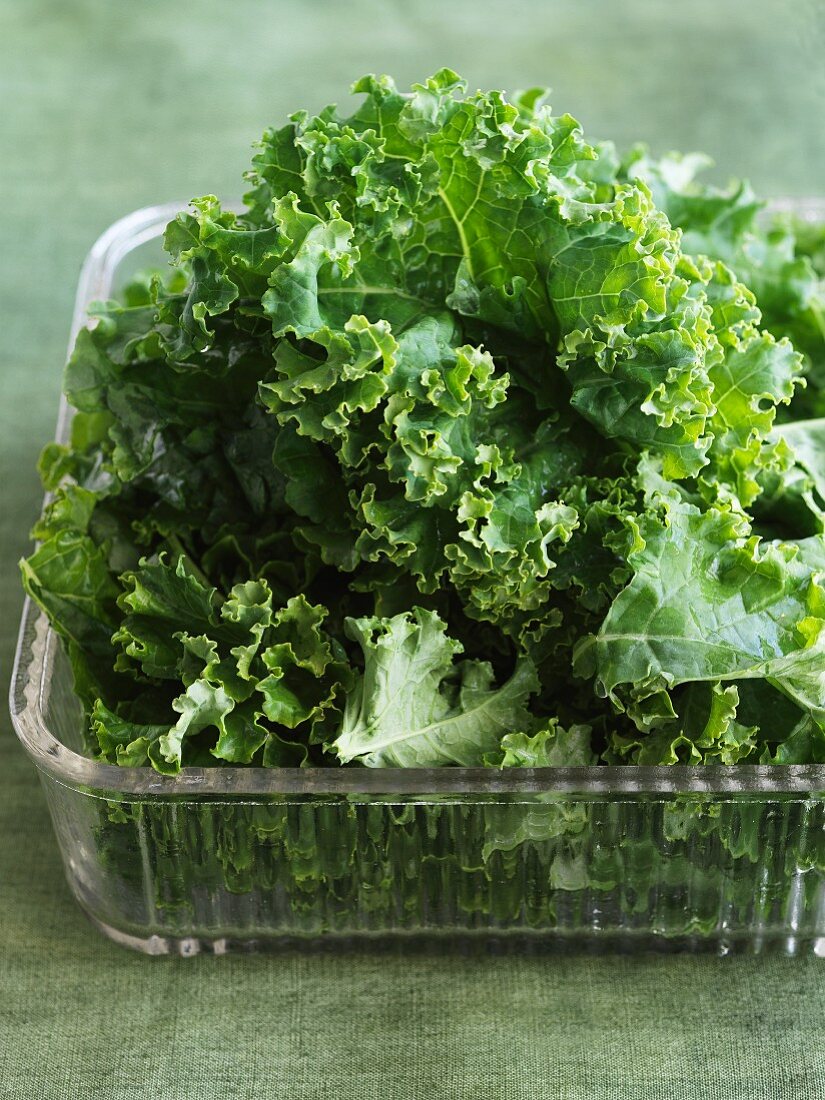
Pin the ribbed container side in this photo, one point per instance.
(569, 868)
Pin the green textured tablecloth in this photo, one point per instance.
(107, 106)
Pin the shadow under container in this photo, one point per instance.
(711, 858)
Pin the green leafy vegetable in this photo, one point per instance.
(413, 707)
(550, 747)
(466, 442)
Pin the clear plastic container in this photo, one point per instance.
(719, 858)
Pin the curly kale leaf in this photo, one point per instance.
(414, 706)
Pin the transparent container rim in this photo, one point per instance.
(36, 646)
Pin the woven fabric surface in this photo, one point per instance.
(111, 106)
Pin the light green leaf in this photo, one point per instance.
(413, 707)
(708, 601)
(550, 747)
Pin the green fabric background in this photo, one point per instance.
(107, 106)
